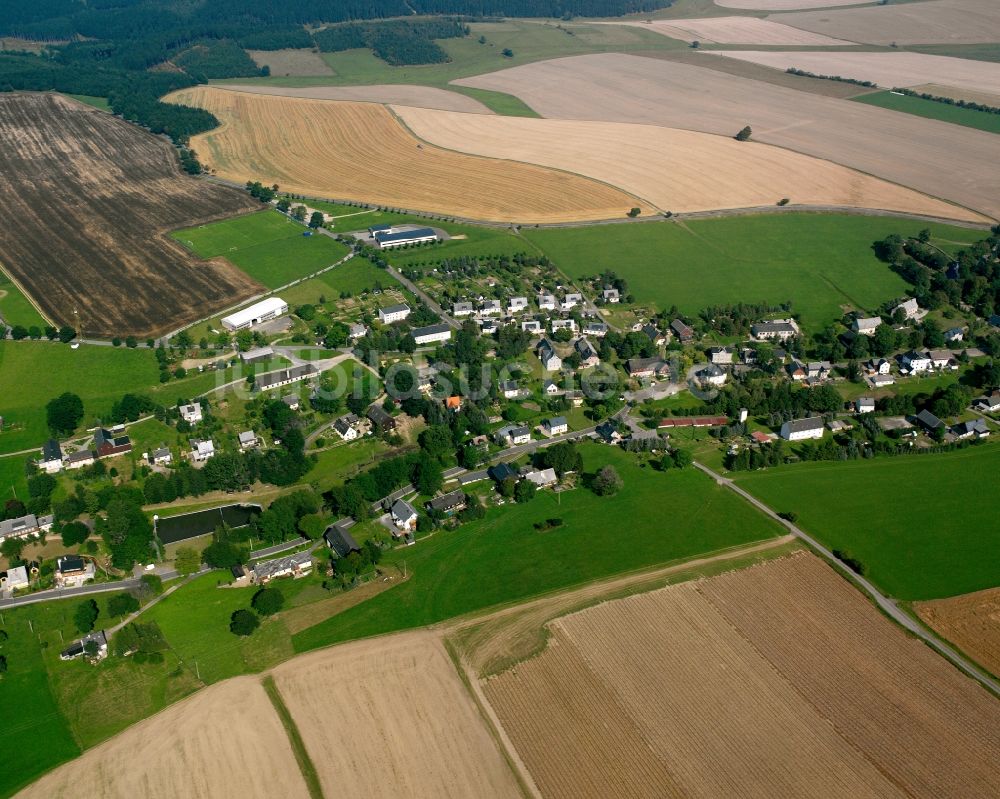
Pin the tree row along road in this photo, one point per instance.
(886, 604)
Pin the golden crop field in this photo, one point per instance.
(777, 680)
(737, 30)
(675, 170)
(970, 621)
(361, 152)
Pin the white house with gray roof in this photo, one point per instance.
(801, 429)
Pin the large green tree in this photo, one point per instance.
(64, 413)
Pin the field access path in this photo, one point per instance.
(886, 604)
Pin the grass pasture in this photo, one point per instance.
(924, 527)
(980, 120)
(15, 308)
(267, 246)
(504, 559)
(822, 263)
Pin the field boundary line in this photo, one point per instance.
(886, 604)
(306, 766)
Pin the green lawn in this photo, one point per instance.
(822, 263)
(924, 526)
(99, 375)
(528, 40)
(504, 559)
(268, 246)
(12, 478)
(15, 309)
(980, 120)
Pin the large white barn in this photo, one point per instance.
(263, 311)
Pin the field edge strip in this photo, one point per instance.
(306, 767)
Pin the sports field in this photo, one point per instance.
(504, 559)
(924, 527)
(268, 246)
(980, 120)
(823, 263)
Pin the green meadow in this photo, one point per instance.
(980, 120)
(822, 263)
(15, 308)
(925, 527)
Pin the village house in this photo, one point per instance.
(160, 457)
(72, 571)
(563, 324)
(453, 403)
(346, 427)
(909, 308)
(94, 645)
(404, 516)
(642, 367)
(796, 369)
(460, 309)
(588, 355)
(258, 313)
(77, 460)
(819, 370)
(607, 431)
(879, 367)
(356, 331)
(547, 355)
(393, 313)
(249, 357)
(202, 451)
(652, 332)
(191, 414)
(247, 440)
(109, 444)
(721, 355)
(503, 471)
(596, 329)
(380, 419)
(866, 325)
(517, 304)
(339, 541)
(488, 327)
(284, 377)
(683, 332)
(51, 461)
(570, 301)
(914, 362)
(550, 388)
(298, 565)
(777, 329)
(542, 478)
(14, 579)
(928, 421)
(801, 429)
(864, 405)
(546, 302)
(510, 389)
(987, 404)
(447, 504)
(711, 375)
(953, 335)
(943, 359)
(610, 295)
(531, 326)
(882, 380)
(491, 308)
(512, 435)
(555, 426)
(432, 334)
(976, 428)
(21, 527)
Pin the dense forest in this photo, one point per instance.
(397, 42)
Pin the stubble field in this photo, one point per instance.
(931, 22)
(737, 30)
(783, 5)
(939, 159)
(398, 94)
(86, 199)
(675, 170)
(971, 622)
(225, 741)
(360, 151)
(778, 680)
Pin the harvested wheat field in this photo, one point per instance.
(86, 200)
(676, 170)
(971, 622)
(928, 22)
(398, 94)
(390, 717)
(940, 159)
(784, 5)
(226, 740)
(361, 152)
(735, 30)
(889, 70)
(777, 680)
(291, 62)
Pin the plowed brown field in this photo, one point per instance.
(360, 151)
(675, 170)
(86, 199)
(778, 680)
(970, 621)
